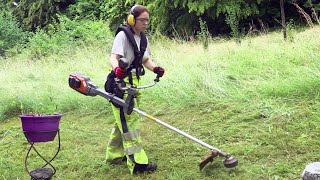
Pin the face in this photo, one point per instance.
(141, 22)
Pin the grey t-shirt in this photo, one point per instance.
(122, 47)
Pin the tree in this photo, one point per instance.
(40, 13)
(283, 20)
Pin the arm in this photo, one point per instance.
(149, 64)
(117, 50)
(114, 60)
(147, 61)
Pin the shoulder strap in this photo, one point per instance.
(143, 43)
(129, 33)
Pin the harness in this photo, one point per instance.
(111, 85)
(138, 54)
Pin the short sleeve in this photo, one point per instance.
(119, 44)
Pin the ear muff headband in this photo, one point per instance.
(130, 19)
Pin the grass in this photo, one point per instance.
(258, 101)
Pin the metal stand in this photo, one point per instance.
(42, 173)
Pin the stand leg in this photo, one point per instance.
(42, 173)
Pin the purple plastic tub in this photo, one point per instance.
(40, 128)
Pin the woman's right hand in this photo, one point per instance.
(120, 73)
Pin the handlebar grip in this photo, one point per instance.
(157, 79)
(123, 63)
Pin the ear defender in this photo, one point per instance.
(130, 19)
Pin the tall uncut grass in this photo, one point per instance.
(258, 100)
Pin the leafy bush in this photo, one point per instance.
(11, 33)
(61, 37)
(112, 11)
(39, 14)
(89, 31)
(115, 12)
(203, 34)
(85, 9)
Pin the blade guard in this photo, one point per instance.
(81, 83)
(207, 159)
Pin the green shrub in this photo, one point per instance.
(10, 32)
(61, 37)
(85, 9)
(203, 34)
(88, 31)
(39, 14)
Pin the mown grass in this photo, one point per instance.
(259, 101)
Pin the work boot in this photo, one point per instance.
(141, 168)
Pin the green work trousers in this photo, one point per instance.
(125, 137)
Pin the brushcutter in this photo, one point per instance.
(83, 84)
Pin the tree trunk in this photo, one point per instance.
(283, 20)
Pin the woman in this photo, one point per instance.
(131, 44)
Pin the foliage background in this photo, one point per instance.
(168, 16)
(180, 19)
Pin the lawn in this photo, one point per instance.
(258, 100)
